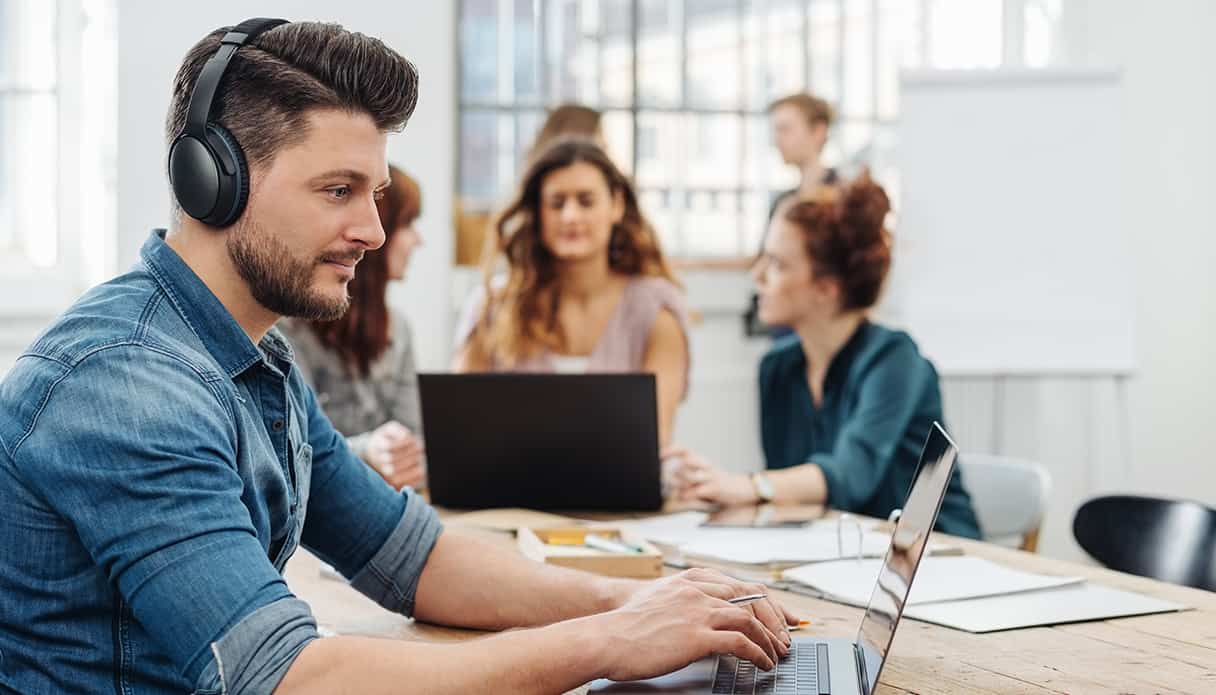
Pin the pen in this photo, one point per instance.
(608, 544)
(744, 600)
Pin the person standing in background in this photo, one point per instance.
(362, 364)
(569, 120)
(801, 123)
(800, 130)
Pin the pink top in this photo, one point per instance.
(622, 347)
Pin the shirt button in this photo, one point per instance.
(277, 425)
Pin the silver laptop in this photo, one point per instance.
(817, 666)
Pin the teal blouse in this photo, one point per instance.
(880, 397)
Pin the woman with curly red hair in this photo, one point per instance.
(845, 404)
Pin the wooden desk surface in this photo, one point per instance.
(1166, 653)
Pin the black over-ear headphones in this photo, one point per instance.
(206, 165)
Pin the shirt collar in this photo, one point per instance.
(205, 314)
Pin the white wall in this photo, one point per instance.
(153, 38)
(1166, 51)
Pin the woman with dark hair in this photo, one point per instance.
(566, 121)
(362, 365)
(845, 404)
(586, 287)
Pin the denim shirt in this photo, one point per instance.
(157, 470)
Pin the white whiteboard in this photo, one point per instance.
(1011, 253)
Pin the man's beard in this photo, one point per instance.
(279, 280)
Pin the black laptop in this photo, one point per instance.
(541, 441)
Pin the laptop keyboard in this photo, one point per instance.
(803, 672)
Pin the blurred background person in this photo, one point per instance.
(586, 287)
(845, 404)
(569, 120)
(362, 365)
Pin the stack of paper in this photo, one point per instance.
(938, 579)
(815, 542)
(976, 595)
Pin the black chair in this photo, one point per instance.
(1170, 540)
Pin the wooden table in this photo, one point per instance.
(1166, 653)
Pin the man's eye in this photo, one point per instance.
(340, 192)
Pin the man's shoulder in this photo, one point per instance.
(126, 322)
(108, 354)
(129, 311)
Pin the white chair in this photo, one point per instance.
(1009, 496)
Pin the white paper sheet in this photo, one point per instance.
(938, 579)
(1067, 604)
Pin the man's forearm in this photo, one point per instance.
(552, 659)
(470, 582)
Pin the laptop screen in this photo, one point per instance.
(903, 554)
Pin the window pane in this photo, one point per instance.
(711, 224)
(478, 156)
(858, 59)
(589, 52)
(756, 205)
(618, 132)
(660, 149)
(525, 43)
(965, 34)
(659, 80)
(897, 50)
(825, 49)
(855, 140)
(713, 54)
(616, 60)
(27, 44)
(28, 211)
(527, 126)
(773, 51)
(713, 147)
(1042, 20)
(762, 165)
(479, 50)
(660, 208)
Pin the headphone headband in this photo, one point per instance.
(205, 88)
(207, 167)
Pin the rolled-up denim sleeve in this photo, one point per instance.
(254, 655)
(136, 449)
(376, 537)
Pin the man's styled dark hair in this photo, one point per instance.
(272, 84)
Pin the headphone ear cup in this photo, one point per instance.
(234, 177)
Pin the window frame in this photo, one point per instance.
(745, 12)
(32, 294)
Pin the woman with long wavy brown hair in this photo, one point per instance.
(362, 365)
(586, 287)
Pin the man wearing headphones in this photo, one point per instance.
(161, 459)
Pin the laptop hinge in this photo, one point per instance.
(860, 657)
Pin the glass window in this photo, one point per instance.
(684, 86)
